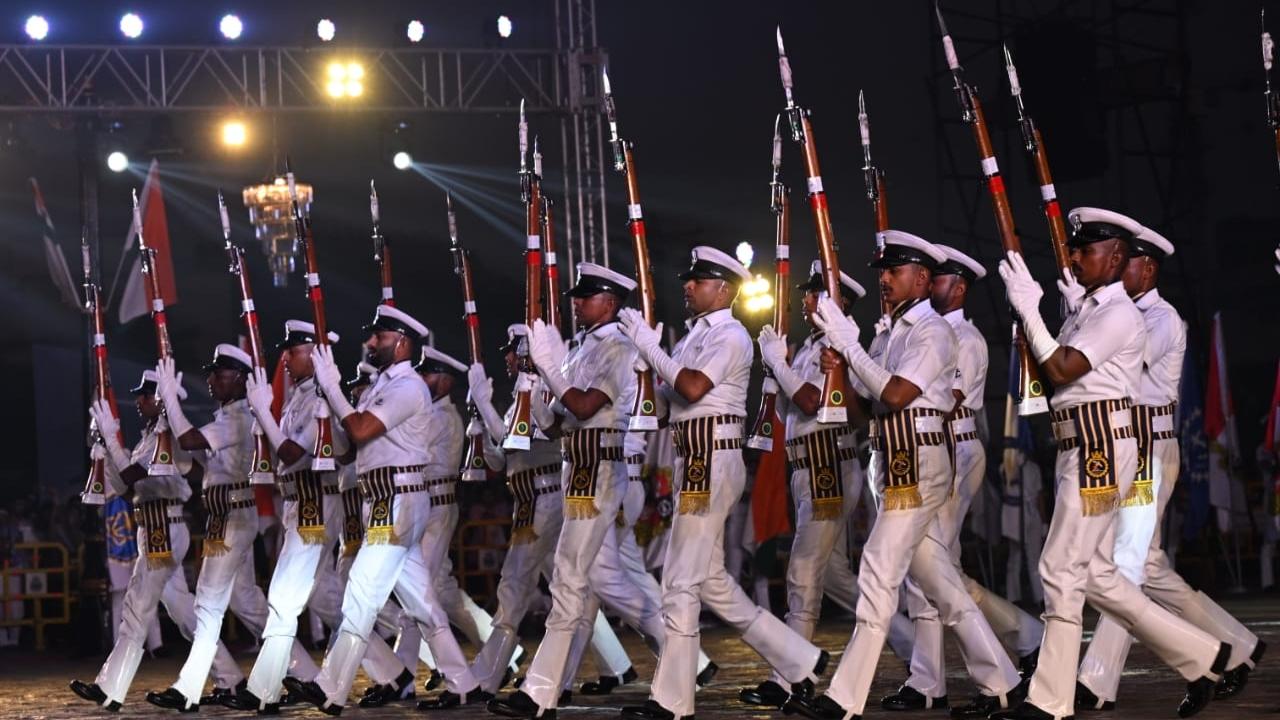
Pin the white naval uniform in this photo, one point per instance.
(1077, 561)
(227, 578)
(525, 560)
(694, 574)
(1010, 623)
(154, 583)
(921, 348)
(811, 572)
(604, 360)
(299, 561)
(1138, 554)
(401, 401)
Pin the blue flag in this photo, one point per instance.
(1194, 475)
(122, 534)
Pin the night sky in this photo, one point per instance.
(1160, 117)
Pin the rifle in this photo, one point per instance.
(644, 413)
(1034, 144)
(835, 394)
(1273, 102)
(767, 420)
(551, 311)
(520, 431)
(874, 177)
(1031, 397)
(322, 459)
(262, 472)
(94, 492)
(162, 457)
(381, 248)
(474, 466)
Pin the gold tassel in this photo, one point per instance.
(828, 508)
(381, 535)
(580, 508)
(158, 560)
(902, 497)
(1139, 494)
(694, 503)
(523, 535)
(350, 547)
(312, 534)
(1098, 501)
(215, 548)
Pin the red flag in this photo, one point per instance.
(1220, 427)
(57, 262)
(155, 230)
(769, 495)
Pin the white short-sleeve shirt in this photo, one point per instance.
(230, 454)
(298, 423)
(807, 363)
(161, 487)
(719, 347)
(602, 358)
(971, 359)
(400, 399)
(1108, 331)
(1165, 348)
(444, 439)
(539, 454)
(922, 350)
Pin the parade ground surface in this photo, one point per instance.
(35, 685)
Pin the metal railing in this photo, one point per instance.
(44, 587)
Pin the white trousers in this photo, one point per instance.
(1077, 563)
(580, 542)
(297, 567)
(147, 587)
(694, 575)
(378, 570)
(517, 585)
(1140, 558)
(1012, 625)
(912, 540)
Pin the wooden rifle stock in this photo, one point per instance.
(474, 467)
(1049, 202)
(381, 249)
(262, 467)
(644, 413)
(162, 457)
(94, 492)
(768, 423)
(551, 316)
(520, 430)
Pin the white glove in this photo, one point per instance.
(479, 385)
(773, 348)
(841, 331)
(546, 348)
(884, 324)
(645, 338)
(167, 389)
(1278, 272)
(1072, 292)
(325, 370)
(259, 393)
(100, 412)
(539, 410)
(1022, 289)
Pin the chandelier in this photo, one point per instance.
(271, 212)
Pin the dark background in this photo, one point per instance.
(1156, 112)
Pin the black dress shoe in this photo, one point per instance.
(650, 710)
(399, 689)
(94, 694)
(435, 681)
(311, 692)
(1027, 663)
(607, 683)
(824, 659)
(1234, 680)
(288, 699)
(983, 705)
(1200, 692)
(909, 698)
(246, 701)
(171, 699)
(1086, 700)
(709, 673)
(216, 696)
(767, 694)
(519, 705)
(818, 708)
(1025, 711)
(447, 699)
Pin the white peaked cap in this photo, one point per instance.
(959, 258)
(432, 356)
(710, 263)
(903, 247)
(151, 377)
(396, 320)
(1149, 240)
(815, 268)
(1081, 217)
(297, 332)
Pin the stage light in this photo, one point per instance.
(231, 27)
(756, 295)
(325, 29)
(37, 27)
(416, 31)
(131, 26)
(402, 160)
(234, 133)
(355, 71)
(504, 26)
(345, 79)
(117, 161)
(745, 253)
(354, 88)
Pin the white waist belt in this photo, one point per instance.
(1119, 419)
(964, 425)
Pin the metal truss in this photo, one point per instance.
(121, 79)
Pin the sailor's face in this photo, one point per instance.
(297, 362)
(702, 295)
(594, 309)
(148, 408)
(903, 282)
(1095, 263)
(380, 348)
(513, 363)
(225, 384)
